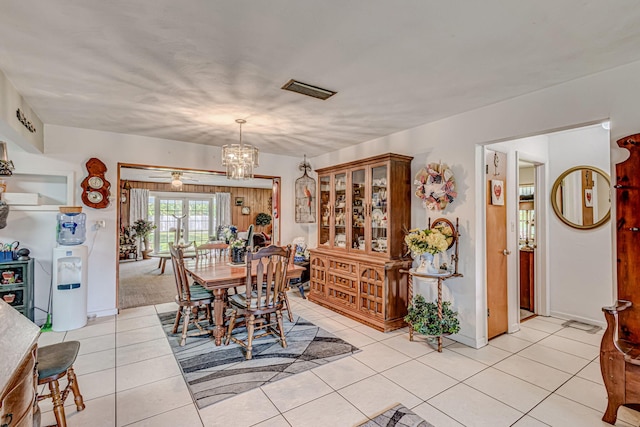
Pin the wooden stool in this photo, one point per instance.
(54, 362)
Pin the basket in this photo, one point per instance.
(70, 209)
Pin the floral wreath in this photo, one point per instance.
(436, 186)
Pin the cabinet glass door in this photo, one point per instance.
(325, 210)
(358, 206)
(340, 211)
(379, 213)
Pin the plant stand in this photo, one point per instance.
(440, 277)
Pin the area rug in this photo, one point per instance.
(214, 373)
(398, 416)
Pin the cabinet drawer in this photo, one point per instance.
(19, 400)
(344, 283)
(341, 296)
(343, 267)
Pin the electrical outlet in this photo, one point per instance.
(101, 224)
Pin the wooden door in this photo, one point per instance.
(496, 240)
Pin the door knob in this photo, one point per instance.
(506, 252)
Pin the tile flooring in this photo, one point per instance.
(545, 374)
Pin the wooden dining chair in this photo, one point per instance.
(263, 298)
(192, 299)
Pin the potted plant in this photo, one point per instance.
(425, 244)
(423, 317)
(263, 219)
(143, 228)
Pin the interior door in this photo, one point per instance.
(496, 240)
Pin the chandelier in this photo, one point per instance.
(240, 159)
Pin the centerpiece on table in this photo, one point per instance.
(143, 229)
(227, 233)
(238, 248)
(424, 244)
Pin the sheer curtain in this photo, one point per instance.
(223, 209)
(139, 207)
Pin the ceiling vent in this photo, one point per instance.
(305, 89)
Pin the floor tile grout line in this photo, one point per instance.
(165, 412)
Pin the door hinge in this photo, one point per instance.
(488, 313)
(486, 169)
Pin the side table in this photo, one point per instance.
(440, 277)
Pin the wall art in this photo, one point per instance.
(435, 186)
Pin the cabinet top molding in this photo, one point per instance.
(368, 160)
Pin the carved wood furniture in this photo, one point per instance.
(264, 296)
(218, 277)
(620, 347)
(365, 211)
(54, 362)
(18, 375)
(191, 299)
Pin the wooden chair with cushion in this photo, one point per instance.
(54, 362)
(263, 298)
(192, 299)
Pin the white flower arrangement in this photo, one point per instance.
(432, 241)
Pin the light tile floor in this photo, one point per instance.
(543, 375)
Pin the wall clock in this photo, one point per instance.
(246, 210)
(95, 187)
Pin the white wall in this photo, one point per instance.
(609, 95)
(580, 261)
(68, 149)
(11, 129)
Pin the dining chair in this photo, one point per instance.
(191, 299)
(263, 298)
(56, 361)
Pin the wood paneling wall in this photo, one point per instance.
(257, 199)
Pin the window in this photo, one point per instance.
(187, 218)
(526, 215)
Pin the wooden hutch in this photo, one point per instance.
(365, 210)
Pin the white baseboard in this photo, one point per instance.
(602, 323)
(103, 313)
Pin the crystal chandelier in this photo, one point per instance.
(240, 159)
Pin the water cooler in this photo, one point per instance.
(69, 273)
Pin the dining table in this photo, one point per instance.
(219, 276)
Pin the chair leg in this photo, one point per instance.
(185, 326)
(58, 404)
(281, 328)
(250, 329)
(73, 383)
(286, 302)
(177, 322)
(232, 323)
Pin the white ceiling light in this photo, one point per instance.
(240, 159)
(176, 179)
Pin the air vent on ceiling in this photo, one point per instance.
(309, 90)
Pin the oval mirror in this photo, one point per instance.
(581, 197)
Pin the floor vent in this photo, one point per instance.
(590, 329)
(309, 90)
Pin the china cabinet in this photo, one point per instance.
(365, 208)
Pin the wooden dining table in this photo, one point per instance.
(220, 275)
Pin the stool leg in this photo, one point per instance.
(73, 382)
(58, 405)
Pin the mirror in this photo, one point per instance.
(581, 197)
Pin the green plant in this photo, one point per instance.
(143, 227)
(423, 317)
(263, 219)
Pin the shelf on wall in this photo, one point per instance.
(54, 189)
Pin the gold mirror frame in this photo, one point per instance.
(554, 198)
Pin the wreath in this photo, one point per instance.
(436, 186)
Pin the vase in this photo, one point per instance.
(145, 253)
(427, 264)
(238, 255)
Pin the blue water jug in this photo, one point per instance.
(71, 229)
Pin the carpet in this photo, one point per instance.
(398, 416)
(217, 373)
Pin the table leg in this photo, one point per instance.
(163, 264)
(218, 311)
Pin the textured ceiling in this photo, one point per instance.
(185, 70)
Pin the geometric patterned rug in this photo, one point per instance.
(214, 373)
(398, 416)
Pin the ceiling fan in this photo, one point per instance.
(177, 179)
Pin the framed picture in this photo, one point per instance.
(588, 197)
(239, 201)
(246, 210)
(497, 192)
